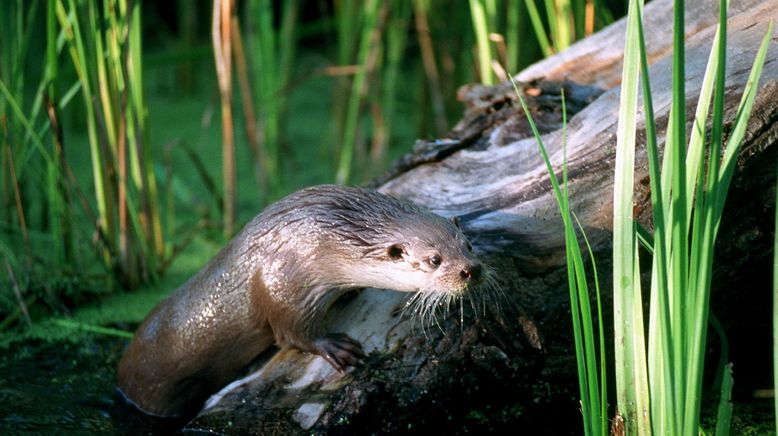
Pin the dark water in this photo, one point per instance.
(64, 387)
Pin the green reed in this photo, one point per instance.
(222, 25)
(35, 203)
(45, 209)
(483, 13)
(497, 26)
(367, 37)
(589, 346)
(18, 130)
(104, 45)
(388, 68)
(659, 375)
(272, 52)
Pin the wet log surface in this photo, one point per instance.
(504, 364)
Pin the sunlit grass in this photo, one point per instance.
(661, 393)
(659, 374)
(589, 345)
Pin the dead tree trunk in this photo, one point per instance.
(505, 365)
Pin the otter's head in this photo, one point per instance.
(432, 255)
(379, 241)
(416, 251)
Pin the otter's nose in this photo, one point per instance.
(471, 273)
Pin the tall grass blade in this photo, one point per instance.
(724, 416)
(16, 110)
(247, 100)
(513, 19)
(592, 393)
(430, 66)
(678, 206)
(60, 211)
(143, 164)
(358, 88)
(264, 59)
(481, 28)
(741, 122)
(68, 21)
(537, 26)
(396, 42)
(659, 334)
(565, 24)
(222, 51)
(603, 373)
(273, 52)
(715, 196)
(702, 241)
(631, 377)
(553, 23)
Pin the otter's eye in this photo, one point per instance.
(395, 251)
(434, 260)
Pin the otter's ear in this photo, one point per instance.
(395, 251)
(455, 220)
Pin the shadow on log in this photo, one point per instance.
(509, 365)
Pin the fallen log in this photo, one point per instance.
(509, 365)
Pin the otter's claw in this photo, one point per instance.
(339, 350)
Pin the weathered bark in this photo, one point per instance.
(501, 368)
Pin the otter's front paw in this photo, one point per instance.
(339, 350)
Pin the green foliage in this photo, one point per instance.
(272, 52)
(659, 375)
(498, 25)
(40, 190)
(661, 392)
(29, 167)
(367, 45)
(80, 210)
(104, 46)
(592, 377)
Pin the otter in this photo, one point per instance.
(274, 282)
